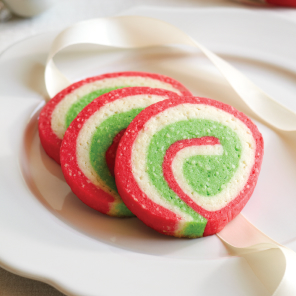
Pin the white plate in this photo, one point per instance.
(48, 234)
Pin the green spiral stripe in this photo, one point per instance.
(206, 175)
(101, 141)
(85, 100)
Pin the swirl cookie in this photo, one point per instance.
(60, 111)
(186, 167)
(89, 145)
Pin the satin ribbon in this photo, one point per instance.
(274, 264)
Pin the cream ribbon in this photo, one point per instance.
(274, 264)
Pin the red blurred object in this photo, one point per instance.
(286, 3)
(291, 3)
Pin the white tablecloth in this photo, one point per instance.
(65, 13)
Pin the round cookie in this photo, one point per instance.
(60, 111)
(92, 138)
(186, 167)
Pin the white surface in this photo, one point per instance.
(67, 12)
(48, 234)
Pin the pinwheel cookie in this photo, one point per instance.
(186, 167)
(89, 145)
(60, 111)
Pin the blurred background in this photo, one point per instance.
(58, 14)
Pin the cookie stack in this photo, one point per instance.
(140, 144)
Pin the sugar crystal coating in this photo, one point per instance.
(200, 177)
(60, 111)
(89, 145)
